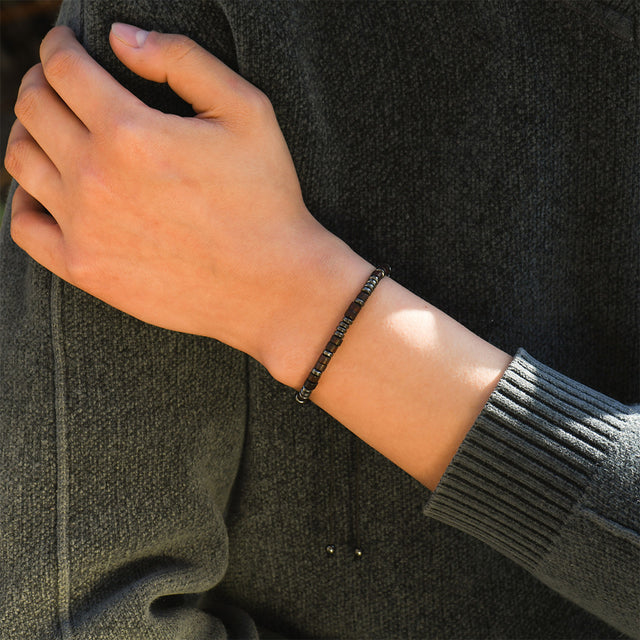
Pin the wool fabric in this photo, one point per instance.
(156, 485)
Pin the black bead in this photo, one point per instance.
(335, 341)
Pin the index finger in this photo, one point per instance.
(87, 88)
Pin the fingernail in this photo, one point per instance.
(130, 35)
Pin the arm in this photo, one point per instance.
(275, 282)
(285, 282)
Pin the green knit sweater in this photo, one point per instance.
(489, 150)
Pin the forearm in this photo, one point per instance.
(407, 379)
(254, 269)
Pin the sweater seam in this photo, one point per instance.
(613, 526)
(62, 461)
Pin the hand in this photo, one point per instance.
(198, 225)
(193, 224)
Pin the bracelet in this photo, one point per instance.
(336, 339)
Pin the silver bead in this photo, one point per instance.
(330, 549)
(357, 552)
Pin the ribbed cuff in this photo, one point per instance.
(526, 461)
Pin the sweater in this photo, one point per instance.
(156, 485)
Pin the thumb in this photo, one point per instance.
(193, 73)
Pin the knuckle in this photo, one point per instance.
(56, 32)
(120, 136)
(179, 46)
(80, 268)
(126, 130)
(60, 63)
(14, 157)
(127, 136)
(26, 102)
(252, 106)
(77, 271)
(85, 271)
(15, 229)
(33, 75)
(18, 228)
(53, 37)
(258, 102)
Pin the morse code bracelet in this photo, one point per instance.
(336, 339)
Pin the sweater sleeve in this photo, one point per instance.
(549, 476)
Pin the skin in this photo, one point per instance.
(244, 262)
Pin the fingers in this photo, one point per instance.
(98, 100)
(192, 72)
(30, 166)
(50, 122)
(36, 232)
(93, 95)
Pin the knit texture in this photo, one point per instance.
(159, 486)
(523, 481)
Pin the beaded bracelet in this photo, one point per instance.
(336, 339)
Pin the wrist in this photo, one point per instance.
(328, 277)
